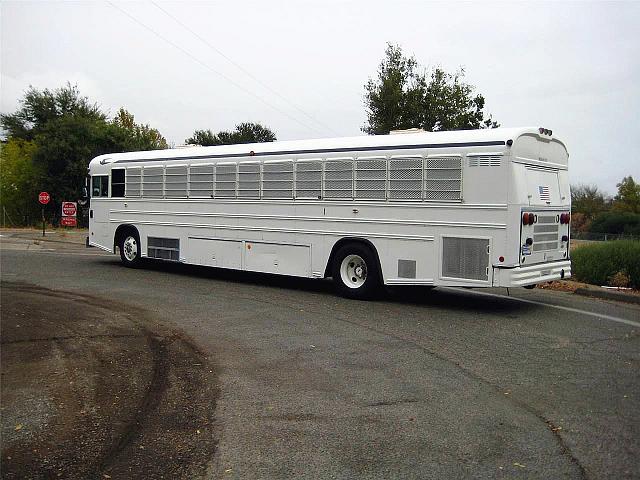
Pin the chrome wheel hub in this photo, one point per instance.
(353, 271)
(130, 248)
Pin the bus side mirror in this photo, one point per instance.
(85, 197)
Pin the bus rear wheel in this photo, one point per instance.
(355, 272)
(130, 249)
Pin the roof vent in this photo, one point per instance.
(407, 130)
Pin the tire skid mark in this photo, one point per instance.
(68, 337)
(157, 386)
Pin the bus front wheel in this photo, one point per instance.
(355, 271)
(130, 248)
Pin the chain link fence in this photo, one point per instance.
(603, 237)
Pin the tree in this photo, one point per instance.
(66, 145)
(403, 97)
(19, 181)
(206, 138)
(588, 200)
(244, 133)
(628, 197)
(64, 131)
(37, 108)
(139, 136)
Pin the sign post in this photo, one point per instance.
(69, 212)
(43, 198)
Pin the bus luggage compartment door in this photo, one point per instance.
(213, 252)
(285, 259)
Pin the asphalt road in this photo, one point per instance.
(421, 384)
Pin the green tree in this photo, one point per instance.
(37, 108)
(66, 131)
(405, 96)
(628, 197)
(66, 145)
(139, 136)
(587, 200)
(20, 181)
(244, 133)
(206, 138)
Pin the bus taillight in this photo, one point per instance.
(528, 218)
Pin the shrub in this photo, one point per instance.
(598, 263)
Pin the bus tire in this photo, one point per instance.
(129, 246)
(355, 271)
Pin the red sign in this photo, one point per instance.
(68, 221)
(69, 209)
(44, 198)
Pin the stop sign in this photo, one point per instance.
(44, 198)
(69, 209)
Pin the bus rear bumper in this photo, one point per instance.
(532, 274)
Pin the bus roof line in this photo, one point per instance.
(315, 151)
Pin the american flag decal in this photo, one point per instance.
(544, 193)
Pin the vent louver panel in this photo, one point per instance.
(201, 181)
(466, 258)
(175, 182)
(277, 180)
(163, 248)
(226, 180)
(405, 178)
(152, 182)
(338, 179)
(546, 233)
(133, 182)
(485, 161)
(371, 179)
(443, 178)
(249, 180)
(309, 179)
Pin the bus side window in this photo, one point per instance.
(117, 182)
(100, 186)
(104, 187)
(95, 186)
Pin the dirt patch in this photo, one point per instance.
(95, 389)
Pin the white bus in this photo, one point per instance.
(476, 208)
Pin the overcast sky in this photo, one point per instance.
(571, 67)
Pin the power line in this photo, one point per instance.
(244, 70)
(195, 59)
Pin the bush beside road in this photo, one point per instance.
(614, 263)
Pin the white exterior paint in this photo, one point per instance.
(295, 236)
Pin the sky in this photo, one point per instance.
(299, 67)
